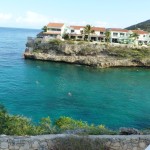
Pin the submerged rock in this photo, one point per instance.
(129, 131)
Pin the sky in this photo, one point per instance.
(103, 13)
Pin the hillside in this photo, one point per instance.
(143, 25)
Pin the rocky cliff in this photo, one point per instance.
(84, 53)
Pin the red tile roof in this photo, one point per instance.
(59, 25)
(99, 29)
(77, 27)
(119, 30)
(52, 32)
(139, 31)
(93, 28)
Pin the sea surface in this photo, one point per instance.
(115, 97)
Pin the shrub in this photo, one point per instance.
(66, 36)
(19, 125)
(82, 42)
(137, 53)
(69, 42)
(55, 42)
(67, 123)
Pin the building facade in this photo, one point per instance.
(117, 35)
(125, 36)
(56, 30)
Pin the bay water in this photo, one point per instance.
(115, 97)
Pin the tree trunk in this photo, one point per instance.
(83, 37)
(88, 37)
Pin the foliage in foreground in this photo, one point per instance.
(18, 125)
(67, 123)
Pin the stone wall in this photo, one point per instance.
(62, 142)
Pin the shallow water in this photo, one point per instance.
(115, 97)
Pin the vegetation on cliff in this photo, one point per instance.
(126, 52)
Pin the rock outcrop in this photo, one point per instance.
(94, 55)
(95, 61)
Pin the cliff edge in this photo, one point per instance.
(90, 54)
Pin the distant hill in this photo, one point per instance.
(143, 25)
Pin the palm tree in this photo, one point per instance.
(88, 30)
(83, 34)
(135, 36)
(107, 36)
(44, 29)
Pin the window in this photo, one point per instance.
(143, 35)
(79, 37)
(72, 31)
(122, 34)
(101, 33)
(54, 29)
(115, 34)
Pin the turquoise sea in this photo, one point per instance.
(116, 97)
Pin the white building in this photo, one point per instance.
(98, 35)
(118, 35)
(144, 37)
(56, 30)
(124, 36)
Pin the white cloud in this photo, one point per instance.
(32, 19)
(5, 17)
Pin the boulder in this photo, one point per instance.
(129, 131)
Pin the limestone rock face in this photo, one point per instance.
(89, 54)
(95, 61)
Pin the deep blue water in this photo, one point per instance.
(114, 97)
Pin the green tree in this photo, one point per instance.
(44, 29)
(134, 36)
(88, 31)
(66, 36)
(107, 36)
(83, 34)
